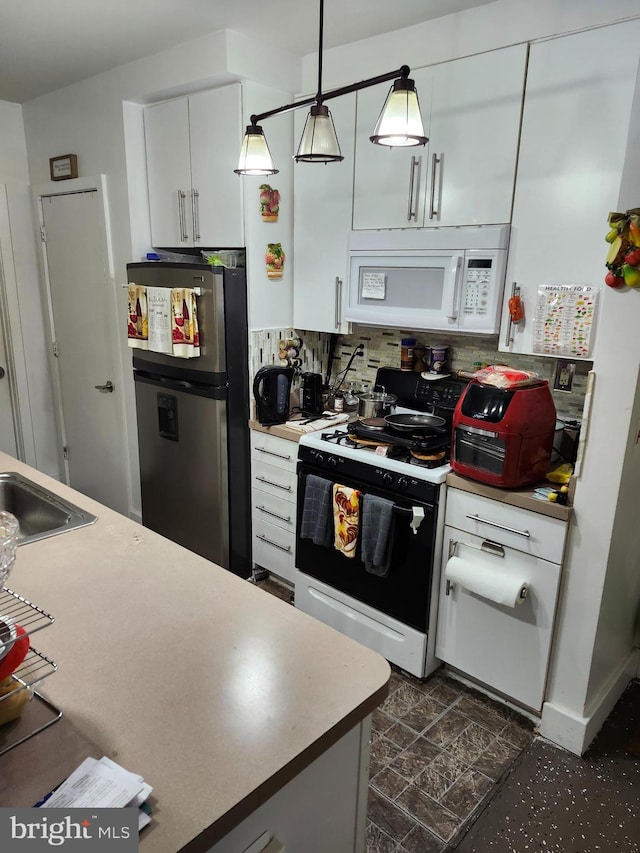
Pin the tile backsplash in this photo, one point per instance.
(382, 349)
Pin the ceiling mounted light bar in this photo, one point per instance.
(399, 123)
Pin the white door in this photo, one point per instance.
(322, 201)
(215, 131)
(166, 128)
(83, 329)
(475, 124)
(7, 432)
(389, 183)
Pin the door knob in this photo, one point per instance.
(108, 386)
(1, 372)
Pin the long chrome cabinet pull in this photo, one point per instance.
(182, 216)
(195, 213)
(286, 548)
(271, 453)
(338, 312)
(411, 213)
(435, 161)
(286, 518)
(524, 533)
(271, 483)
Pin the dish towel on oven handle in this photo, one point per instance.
(346, 519)
(317, 517)
(377, 534)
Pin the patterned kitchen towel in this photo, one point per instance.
(184, 328)
(137, 318)
(317, 520)
(346, 512)
(377, 534)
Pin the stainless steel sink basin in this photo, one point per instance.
(41, 513)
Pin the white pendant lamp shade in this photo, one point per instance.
(319, 143)
(400, 122)
(255, 157)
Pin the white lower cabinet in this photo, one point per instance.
(273, 503)
(322, 809)
(504, 647)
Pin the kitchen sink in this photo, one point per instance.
(40, 512)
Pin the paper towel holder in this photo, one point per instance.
(487, 546)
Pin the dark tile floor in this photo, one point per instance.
(438, 750)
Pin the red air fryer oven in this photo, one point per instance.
(503, 436)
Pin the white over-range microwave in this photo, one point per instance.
(446, 279)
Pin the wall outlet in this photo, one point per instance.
(563, 380)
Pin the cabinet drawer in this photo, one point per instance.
(274, 450)
(512, 526)
(274, 549)
(273, 509)
(277, 481)
(506, 648)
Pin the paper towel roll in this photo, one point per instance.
(496, 583)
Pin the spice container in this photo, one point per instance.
(338, 402)
(406, 353)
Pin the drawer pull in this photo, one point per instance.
(271, 453)
(286, 518)
(271, 483)
(524, 533)
(286, 548)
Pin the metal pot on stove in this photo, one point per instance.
(376, 404)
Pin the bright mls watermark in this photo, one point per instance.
(80, 830)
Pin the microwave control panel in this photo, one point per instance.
(477, 286)
(481, 290)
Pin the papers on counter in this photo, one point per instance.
(101, 784)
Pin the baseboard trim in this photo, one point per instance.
(575, 732)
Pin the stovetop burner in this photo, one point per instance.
(431, 452)
(422, 443)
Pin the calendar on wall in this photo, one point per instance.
(564, 319)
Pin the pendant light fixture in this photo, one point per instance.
(399, 123)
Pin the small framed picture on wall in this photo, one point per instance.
(64, 167)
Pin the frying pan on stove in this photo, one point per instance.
(416, 424)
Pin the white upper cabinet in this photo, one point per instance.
(322, 203)
(576, 117)
(389, 184)
(471, 111)
(475, 124)
(192, 145)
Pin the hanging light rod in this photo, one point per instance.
(399, 123)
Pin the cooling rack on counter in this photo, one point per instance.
(34, 669)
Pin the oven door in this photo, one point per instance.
(405, 592)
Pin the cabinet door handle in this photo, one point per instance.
(524, 533)
(411, 213)
(182, 216)
(338, 312)
(271, 483)
(286, 518)
(435, 161)
(195, 213)
(515, 291)
(286, 548)
(271, 453)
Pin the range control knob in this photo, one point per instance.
(332, 462)
(318, 457)
(387, 479)
(402, 483)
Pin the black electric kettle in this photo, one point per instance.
(271, 389)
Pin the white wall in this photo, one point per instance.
(27, 323)
(100, 120)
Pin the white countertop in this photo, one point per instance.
(213, 690)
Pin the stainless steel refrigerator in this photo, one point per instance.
(193, 414)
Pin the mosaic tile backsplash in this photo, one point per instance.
(382, 349)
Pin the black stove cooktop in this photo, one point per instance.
(422, 442)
